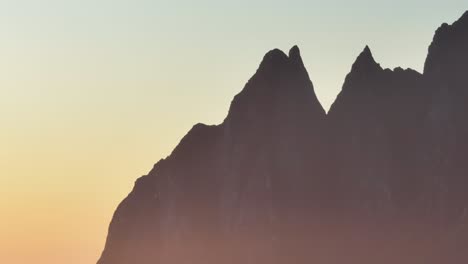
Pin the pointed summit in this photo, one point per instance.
(365, 61)
(281, 84)
(295, 57)
(294, 53)
(363, 72)
(367, 50)
(365, 57)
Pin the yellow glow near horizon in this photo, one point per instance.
(93, 93)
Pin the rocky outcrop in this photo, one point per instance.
(376, 135)
(233, 185)
(446, 76)
(381, 179)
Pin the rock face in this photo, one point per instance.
(381, 179)
(376, 137)
(226, 191)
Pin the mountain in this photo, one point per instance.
(375, 136)
(381, 178)
(227, 183)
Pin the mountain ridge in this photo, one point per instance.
(281, 181)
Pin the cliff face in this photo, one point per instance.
(381, 179)
(446, 75)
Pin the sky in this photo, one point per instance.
(93, 93)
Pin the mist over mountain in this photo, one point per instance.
(381, 178)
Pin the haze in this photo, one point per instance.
(93, 93)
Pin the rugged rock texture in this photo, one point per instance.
(381, 179)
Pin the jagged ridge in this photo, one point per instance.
(280, 182)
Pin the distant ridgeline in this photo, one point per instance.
(381, 178)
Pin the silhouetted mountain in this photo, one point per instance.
(446, 73)
(381, 179)
(375, 134)
(242, 179)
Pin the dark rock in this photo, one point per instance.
(381, 179)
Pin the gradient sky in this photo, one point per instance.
(93, 93)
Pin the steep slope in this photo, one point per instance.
(398, 141)
(175, 196)
(375, 134)
(446, 74)
(233, 185)
(381, 179)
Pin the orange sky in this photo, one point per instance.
(93, 93)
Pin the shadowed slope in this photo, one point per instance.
(375, 134)
(229, 184)
(381, 179)
(446, 74)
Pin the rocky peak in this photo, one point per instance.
(295, 54)
(280, 81)
(280, 182)
(273, 60)
(361, 79)
(365, 62)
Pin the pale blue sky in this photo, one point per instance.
(197, 40)
(92, 93)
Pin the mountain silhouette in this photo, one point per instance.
(381, 178)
